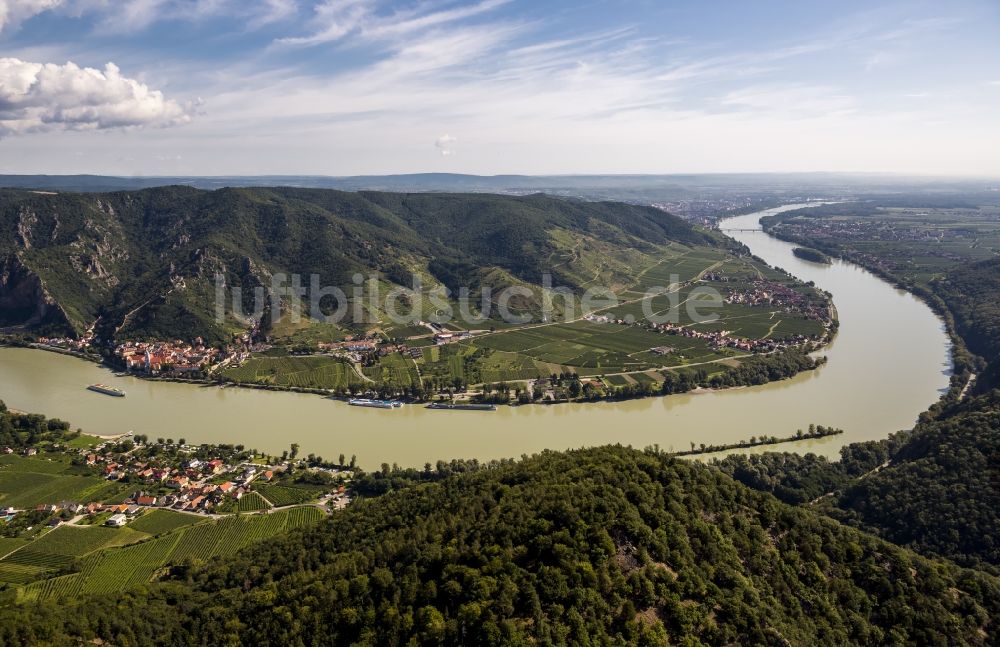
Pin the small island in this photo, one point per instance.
(810, 254)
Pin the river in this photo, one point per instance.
(889, 361)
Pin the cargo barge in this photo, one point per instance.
(462, 407)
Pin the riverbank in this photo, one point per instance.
(885, 365)
(672, 386)
(814, 432)
(962, 359)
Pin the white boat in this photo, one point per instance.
(107, 390)
(365, 402)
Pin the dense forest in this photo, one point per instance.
(935, 488)
(600, 546)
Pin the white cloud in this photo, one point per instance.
(37, 97)
(791, 100)
(444, 145)
(128, 16)
(336, 19)
(13, 12)
(273, 11)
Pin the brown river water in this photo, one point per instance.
(890, 360)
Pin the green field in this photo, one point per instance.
(7, 544)
(80, 540)
(108, 569)
(302, 372)
(157, 522)
(574, 345)
(251, 502)
(394, 370)
(27, 482)
(281, 495)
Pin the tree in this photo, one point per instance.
(294, 452)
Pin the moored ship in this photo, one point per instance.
(107, 390)
(377, 404)
(462, 407)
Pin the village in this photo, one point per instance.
(762, 292)
(177, 357)
(204, 479)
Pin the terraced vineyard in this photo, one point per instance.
(80, 540)
(8, 544)
(157, 522)
(119, 568)
(122, 568)
(27, 482)
(251, 502)
(26, 565)
(394, 370)
(58, 549)
(281, 495)
(302, 372)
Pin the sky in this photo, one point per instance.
(349, 87)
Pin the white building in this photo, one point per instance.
(116, 520)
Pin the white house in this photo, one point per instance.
(116, 520)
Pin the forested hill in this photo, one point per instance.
(599, 546)
(972, 294)
(934, 488)
(68, 259)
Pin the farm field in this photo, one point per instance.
(116, 568)
(26, 482)
(8, 544)
(395, 370)
(921, 243)
(615, 339)
(80, 540)
(282, 495)
(251, 502)
(589, 348)
(302, 372)
(157, 522)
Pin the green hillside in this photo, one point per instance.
(143, 263)
(602, 546)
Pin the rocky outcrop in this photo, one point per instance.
(24, 301)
